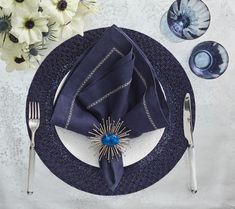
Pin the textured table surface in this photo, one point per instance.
(214, 131)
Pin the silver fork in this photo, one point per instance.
(34, 122)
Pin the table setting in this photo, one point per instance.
(117, 104)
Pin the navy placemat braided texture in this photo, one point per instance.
(138, 175)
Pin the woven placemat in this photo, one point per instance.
(139, 175)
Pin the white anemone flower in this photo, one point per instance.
(28, 27)
(62, 10)
(76, 26)
(15, 59)
(19, 4)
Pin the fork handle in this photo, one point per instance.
(31, 168)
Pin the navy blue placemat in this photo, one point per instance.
(88, 178)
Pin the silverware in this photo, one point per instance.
(188, 133)
(34, 122)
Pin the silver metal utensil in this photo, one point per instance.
(34, 122)
(188, 133)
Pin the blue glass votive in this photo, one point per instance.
(209, 60)
(188, 19)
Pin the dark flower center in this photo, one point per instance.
(62, 5)
(19, 60)
(40, 9)
(33, 51)
(29, 24)
(13, 38)
(45, 34)
(4, 25)
(19, 1)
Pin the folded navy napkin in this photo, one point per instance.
(113, 80)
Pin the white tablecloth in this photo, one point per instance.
(214, 131)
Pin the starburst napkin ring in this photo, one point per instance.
(109, 137)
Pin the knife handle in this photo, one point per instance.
(192, 170)
(31, 169)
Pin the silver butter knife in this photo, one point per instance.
(188, 133)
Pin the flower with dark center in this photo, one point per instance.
(29, 24)
(62, 10)
(62, 5)
(15, 56)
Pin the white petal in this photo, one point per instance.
(16, 32)
(68, 15)
(32, 4)
(42, 25)
(55, 1)
(60, 17)
(10, 67)
(35, 35)
(24, 37)
(41, 22)
(67, 32)
(17, 21)
(72, 5)
(6, 4)
(77, 25)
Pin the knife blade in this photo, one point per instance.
(188, 133)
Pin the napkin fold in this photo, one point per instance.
(112, 79)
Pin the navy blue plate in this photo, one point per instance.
(88, 178)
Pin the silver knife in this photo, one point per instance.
(188, 133)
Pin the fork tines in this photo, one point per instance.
(34, 110)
